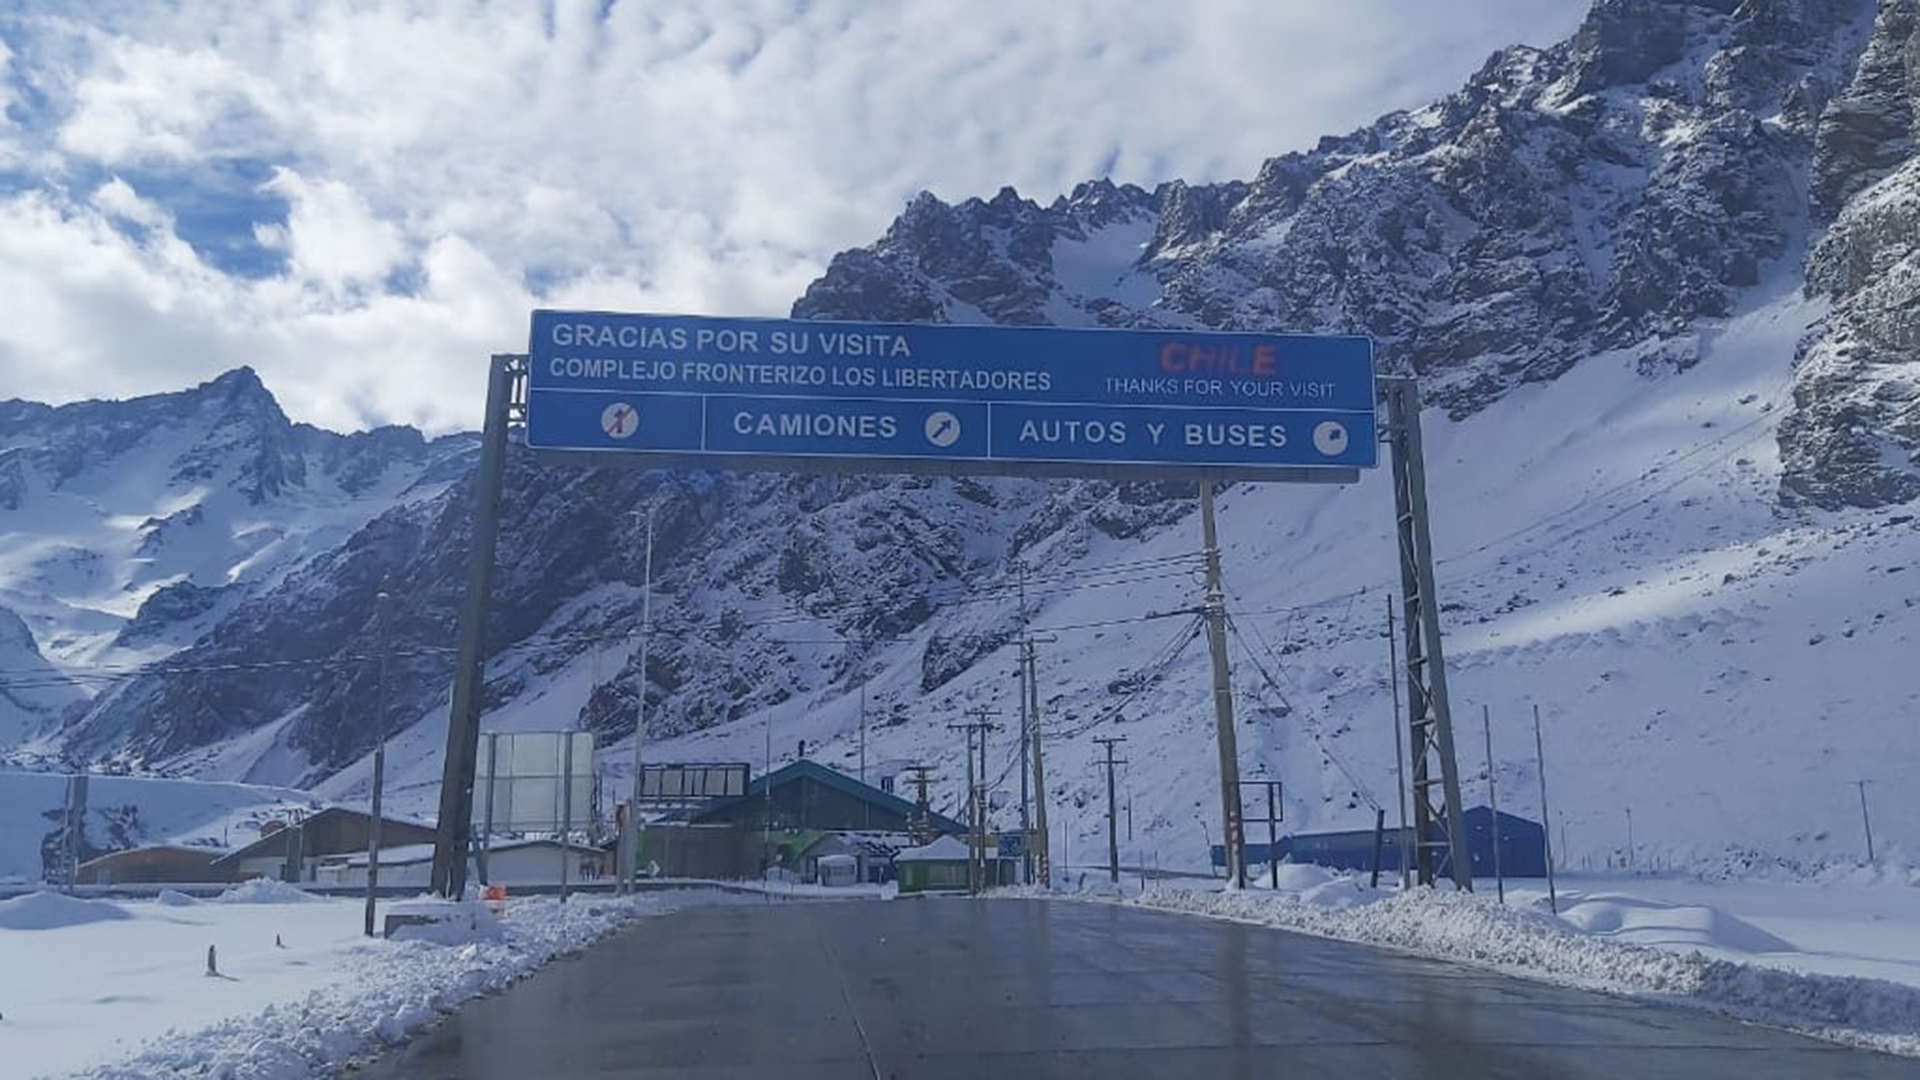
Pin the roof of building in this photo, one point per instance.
(943, 849)
(275, 842)
(806, 768)
(207, 853)
(1474, 816)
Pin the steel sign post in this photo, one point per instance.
(651, 390)
(760, 393)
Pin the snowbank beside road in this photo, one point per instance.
(52, 911)
(1529, 941)
(299, 993)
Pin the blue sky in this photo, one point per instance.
(363, 200)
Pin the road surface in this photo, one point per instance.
(1004, 989)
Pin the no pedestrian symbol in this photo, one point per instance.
(619, 420)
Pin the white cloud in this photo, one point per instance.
(117, 199)
(332, 237)
(148, 102)
(7, 91)
(702, 155)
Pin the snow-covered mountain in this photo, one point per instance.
(129, 530)
(1658, 280)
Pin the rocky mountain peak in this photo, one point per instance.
(1618, 192)
(1623, 42)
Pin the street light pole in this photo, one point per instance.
(1866, 821)
(1493, 803)
(382, 613)
(634, 824)
(1546, 816)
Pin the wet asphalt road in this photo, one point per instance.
(1009, 989)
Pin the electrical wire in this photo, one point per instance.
(1145, 677)
(1309, 721)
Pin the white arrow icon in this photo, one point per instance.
(943, 429)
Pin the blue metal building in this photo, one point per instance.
(1522, 848)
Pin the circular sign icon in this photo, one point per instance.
(943, 429)
(620, 420)
(1330, 438)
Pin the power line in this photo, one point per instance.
(1144, 678)
(1585, 505)
(1308, 720)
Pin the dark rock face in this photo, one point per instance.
(1853, 438)
(1868, 128)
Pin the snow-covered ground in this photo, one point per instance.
(1838, 958)
(1866, 924)
(114, 990)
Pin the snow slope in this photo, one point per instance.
(128, 811)
(1610, 550)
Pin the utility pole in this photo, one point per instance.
(638, 845)
(383, 613)
(1030, 657)
(863, 730)
(766, 790)
(1493, 802)
(1546, 817)
(981, 719)
(1399, 750)
(1233, 835)
(1113, 819)
(978, 727)
(973, 810)
(1026, 733)
(1865, 820)
(980, 802)
(566, 810)
(920, 827)
(1629, 837)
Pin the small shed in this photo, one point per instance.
(942, 867)
(837, 870)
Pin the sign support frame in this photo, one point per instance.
(506, 401)
(1429, 714)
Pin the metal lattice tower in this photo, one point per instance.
(1439, 827)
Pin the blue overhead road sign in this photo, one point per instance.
(785, 393)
